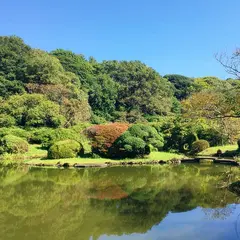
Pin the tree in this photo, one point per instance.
(140, 87)
(42, 68)
(10, 87)
(12, 57)
(183, 86)
(75, 111)
(232, 63)
(103, 96)
(32, 110)
(104, 136)
(209, 104)
(221, 109)
(214, 84)
(75, 63)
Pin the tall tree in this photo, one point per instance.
(182, 86)
(75, 63)
(140, 87)
(12, 57)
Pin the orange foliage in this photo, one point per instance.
(103, 136)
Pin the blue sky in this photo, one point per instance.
(172, 36)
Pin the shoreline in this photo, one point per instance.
(199, 160)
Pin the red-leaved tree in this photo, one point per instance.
(103, 136)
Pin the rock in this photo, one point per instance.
(66, 165)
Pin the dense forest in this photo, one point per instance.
(48, 96)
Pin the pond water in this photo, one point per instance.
(140, 203)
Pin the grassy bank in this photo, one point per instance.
(37, 155)
(213, 150)
(165, 156)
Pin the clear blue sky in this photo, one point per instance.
(172, 36)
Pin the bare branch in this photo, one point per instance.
(231, 64)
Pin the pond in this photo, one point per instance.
(145, 202)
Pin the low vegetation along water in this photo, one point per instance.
(147, 202)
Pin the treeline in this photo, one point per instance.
(64, 89)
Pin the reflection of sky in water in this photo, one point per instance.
(198, 224)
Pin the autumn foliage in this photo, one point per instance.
(103, 136)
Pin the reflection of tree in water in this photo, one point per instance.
(222, 184)
(219, 213)
(78, 204)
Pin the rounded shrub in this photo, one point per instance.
(13, 144)
(137, 141)
(199, 145)
(64, 149)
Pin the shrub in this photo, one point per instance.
(40, 135)
(97, 119)
(7, 120)
(13, 144)
(80, 127)
(199, 146)
(103, 136)
(18, 132)
(138, 140)
(64, 149)
(128, 146)
(56, 135)
(148, 134)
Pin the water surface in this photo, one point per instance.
(160, 202)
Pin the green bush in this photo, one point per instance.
(59, 134)
(64, 149)
(40, 135)
(13, 144)
(199, 145)
(137, 141)
(16, 131)
(97, 119)
(80, 127)
(7, 121)
(134, 146)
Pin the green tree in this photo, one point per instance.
(182, 86)
(10, 87)
(32, 110)
(42, 68)
(12, 57)
(214, 83)
(103, 95)
(140, 87)
(75, 63)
